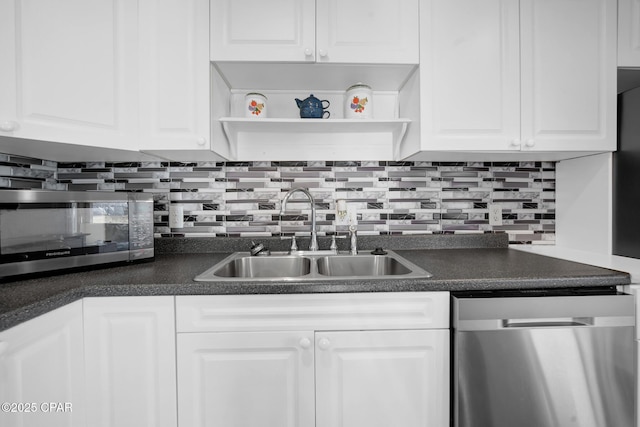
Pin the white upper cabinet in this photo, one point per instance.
(628, 33)
(174, 77)
(263, 30)
(105, 80)
(357, 31)
(69, 71)
(367, 31)
(516, 76)
(287, 49)
(569, 96)
(469, 74)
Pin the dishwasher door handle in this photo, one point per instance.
(547, 323)
(496, 324)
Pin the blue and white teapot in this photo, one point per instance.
(313, 108)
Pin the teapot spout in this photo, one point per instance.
(299, 102)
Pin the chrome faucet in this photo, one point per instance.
(313, 244)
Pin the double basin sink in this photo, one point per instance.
(241, 266)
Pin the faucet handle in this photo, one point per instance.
(353, 245)
(334, 246)
(294, 243)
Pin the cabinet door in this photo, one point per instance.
(382, 378)
(174, 75)
(68, 71)
(568, 74)
(470, 75)
(367, 31)
(246, 379)
(263, 30)
(41, 364)
(628, 33)
(130, 361)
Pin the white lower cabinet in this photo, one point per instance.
(130, 361)
(297, 360)
(41, 374)
(246, 379)
(382, 378)
(284, 360)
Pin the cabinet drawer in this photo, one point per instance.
(364, 311)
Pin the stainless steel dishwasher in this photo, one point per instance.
(544, 359)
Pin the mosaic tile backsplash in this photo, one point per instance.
(243, 199)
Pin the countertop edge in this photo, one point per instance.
(131, 280)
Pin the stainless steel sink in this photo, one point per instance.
(264, 267)
(361, 265)
(242, 267)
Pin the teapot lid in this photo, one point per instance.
(310, 99)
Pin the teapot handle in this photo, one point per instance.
(328, 113)
(328, 104)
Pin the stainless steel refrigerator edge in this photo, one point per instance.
(555, 361)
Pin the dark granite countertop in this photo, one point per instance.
(485, 267)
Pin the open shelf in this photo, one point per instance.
(312, 139)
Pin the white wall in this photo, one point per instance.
(583, 203)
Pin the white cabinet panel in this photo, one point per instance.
(41, 362)
(130, 361)
(263, 30)
(270, 354)
(513, 76)
(8, 69)
(568, 75)
(382, 378)
(367, 31)
(469, 74)
(334, 31)
(375, 310)
(69, 70)
(246, 379)
(174, 75)
(105, 79)
(628, 33)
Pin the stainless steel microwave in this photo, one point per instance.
(52, 230)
